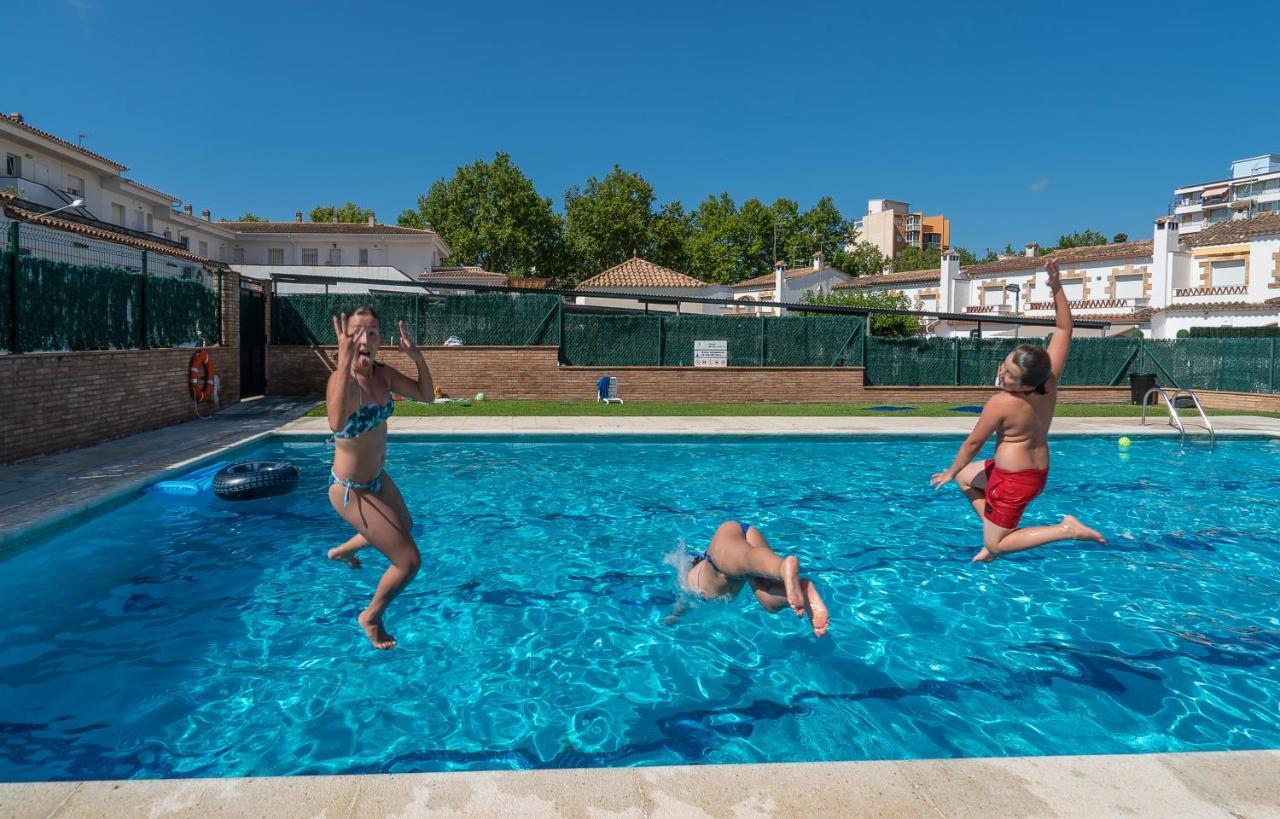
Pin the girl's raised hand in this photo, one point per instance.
(405, 342)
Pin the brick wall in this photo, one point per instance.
(1243, 401)
(532, 373)
(56, 401)
(50, 402)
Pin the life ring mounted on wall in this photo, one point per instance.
(201, 376)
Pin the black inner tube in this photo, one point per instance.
(251, 480)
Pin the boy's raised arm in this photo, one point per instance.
(1060, 344)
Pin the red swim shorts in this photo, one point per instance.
(1009, 493)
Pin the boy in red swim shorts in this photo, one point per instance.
(1019, 414)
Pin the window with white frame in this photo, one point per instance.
(364, 255)
(275, 255)
(151, 223)
(12, 165)
(204, 249)
(1227, 273)
(311, 255)
(335, 255)
(75, 185)
(237, 255)
(1129, 287)
(117, 213)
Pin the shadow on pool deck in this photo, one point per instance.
(50, 487)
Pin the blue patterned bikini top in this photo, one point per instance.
(367, 417)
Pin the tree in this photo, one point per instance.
(250, 217)
(350, 212)
(881, 325)
(989, 256)
(608, 221)
(822, 228)
(669, 237)
(913, 258)
(967, 259)
(1081, 238)
(715, 243)
(1120, 238)
(865, 259)
(490, 215)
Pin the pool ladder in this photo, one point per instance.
(1175, 420)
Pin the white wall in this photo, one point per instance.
(713, 292)
(1167, 325)
(411, 254)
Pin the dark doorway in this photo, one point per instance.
(253, 342)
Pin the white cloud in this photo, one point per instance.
(1039, 185)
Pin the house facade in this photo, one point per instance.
(1223, 276)
(45, 175)
(790, 286)
(892, 226)
(1252, 189)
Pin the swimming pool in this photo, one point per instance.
(191, 637)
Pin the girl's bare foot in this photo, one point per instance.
(816, 609)
(350, 559)
(1078, 531)
(375, 632)
(791, 581)
(985, 555)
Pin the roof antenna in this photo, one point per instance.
(81, 135)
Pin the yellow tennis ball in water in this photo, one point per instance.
(1125, 442)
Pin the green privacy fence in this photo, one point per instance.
(58, 293)
(667, 339)
(586, 339)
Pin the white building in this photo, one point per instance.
(43, 172)
(792, 286)
(649, 286)
(1225, 276)
(1252, 189)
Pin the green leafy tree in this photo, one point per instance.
(822, 228)
(1081, 238)
(1120, 238)
(490, 215)
(967, 259)
(864, 259)
(250, 217)
(715, 245)
(350, 212)
(913, 258)
(881, 325)
(989, 256)
(608, 220)
(669, 236)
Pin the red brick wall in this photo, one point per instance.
(532, 372)
(1243, 401)
(56, 401)
(50, 402)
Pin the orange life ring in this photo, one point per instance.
(201, 372)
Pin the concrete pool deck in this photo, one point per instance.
(41, 492)
(1221, 784)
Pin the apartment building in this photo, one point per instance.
(60, 181)
(892, 226)
(1252, 189)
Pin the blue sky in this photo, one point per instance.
(1018, 120)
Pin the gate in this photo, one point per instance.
(253, 342)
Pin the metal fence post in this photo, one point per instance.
(142, 308)
(660, 357)
(762, 322)
(866, 342)
(12, 272)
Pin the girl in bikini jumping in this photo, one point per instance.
(1001, 488)
(358, 400)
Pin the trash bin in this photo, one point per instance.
(1139, 383)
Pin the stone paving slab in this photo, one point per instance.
(41, 491)
(1226, 784)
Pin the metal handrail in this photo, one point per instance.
(1175, 420)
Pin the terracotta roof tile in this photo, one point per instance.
(1071, 255)
(108, 236)
(138, 184)
(1235, 230)
(932, 274)
(79, 149)
(461, 271)
(636, 272)
(1220, 305)
(323, 227)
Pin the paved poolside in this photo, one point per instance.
(42, 491)
(1239, 784)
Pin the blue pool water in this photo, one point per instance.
(175, 636)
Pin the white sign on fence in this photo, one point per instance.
(711, 353)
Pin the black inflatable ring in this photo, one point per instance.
(255, 479)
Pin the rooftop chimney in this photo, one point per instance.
(1032, 248)
(297, 216)
(204, 214)
(373, 220)
(818, 260)
(186, 209)
(16, 117)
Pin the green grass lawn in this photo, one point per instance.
(548, 408)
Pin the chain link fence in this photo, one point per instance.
(60, 291)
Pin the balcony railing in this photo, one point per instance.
(989, 308)
(1093, 304)
(1225, 290)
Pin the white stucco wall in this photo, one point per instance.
(713, 292)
